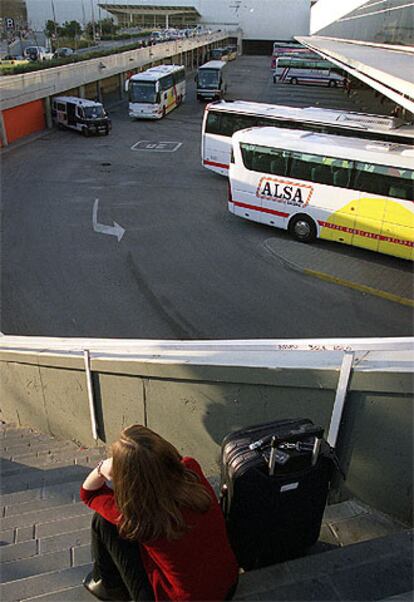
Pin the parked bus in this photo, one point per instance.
(317, 185)
(281, 47)
(231, 53)
(222, 119)
(288, 50)
(211, 80)
(304, 55)
(219, 54)
(155, 92)
(293, 70)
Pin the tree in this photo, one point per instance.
(71, 29)
(51, 28)
(107, 26)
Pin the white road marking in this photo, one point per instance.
(115, 230)
(162, 146)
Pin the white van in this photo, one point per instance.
(37, 53)
(211, 80)
(85, 116)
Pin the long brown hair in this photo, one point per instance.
(152, 486)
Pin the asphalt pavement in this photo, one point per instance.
(184, 268)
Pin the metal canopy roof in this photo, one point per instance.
(386, 68)
(150, 9)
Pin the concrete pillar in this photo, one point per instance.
(48, 112)
(82, 91)
(121, 85)
(3, 133)
(166, 21)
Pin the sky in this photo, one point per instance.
(66, 10)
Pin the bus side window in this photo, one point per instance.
(373, 178)
(247, 151)
(227, 125)
(213, 125)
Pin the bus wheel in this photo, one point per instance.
(85, 132)
(303, 228)
(293, 81)
(163, 112)
(332, 83)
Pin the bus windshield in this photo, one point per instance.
(208, 78)
(142, 91)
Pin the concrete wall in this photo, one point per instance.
(388, 22)
(193, 394)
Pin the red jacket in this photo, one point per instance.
(198, 566)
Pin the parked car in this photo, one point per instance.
(61, 53)
(85, 116)
(38, 53)
(12, 60)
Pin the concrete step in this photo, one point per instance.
(10, 467)
(36, 478)
(37, 585)
(47, 515)
(369, 570)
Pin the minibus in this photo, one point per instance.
(85, 116)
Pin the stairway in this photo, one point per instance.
(44, 536)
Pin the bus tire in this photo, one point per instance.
(85, 132)
(294, 81)
(302, 228)
(274, 79)
(332, 83)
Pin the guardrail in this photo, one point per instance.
(193, 393)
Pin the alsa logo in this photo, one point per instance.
(288, 193)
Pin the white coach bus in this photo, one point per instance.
(294, 70)
(222, 119)
(211, 80)
(318, 185)
(155, 92)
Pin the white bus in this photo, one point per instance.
(211, 80)
(318, 185)
(222, 119)
(293, 70)
(155, 92)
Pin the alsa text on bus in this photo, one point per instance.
(282, 191)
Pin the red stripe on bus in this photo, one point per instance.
(214, 164)
(261, 209)
(365, 234)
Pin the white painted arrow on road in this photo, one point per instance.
(115, 230)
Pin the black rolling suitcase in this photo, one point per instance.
(274, 483)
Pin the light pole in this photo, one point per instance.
(55, 24)
(93, 22)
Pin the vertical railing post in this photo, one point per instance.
(340, 397)
(92, 413)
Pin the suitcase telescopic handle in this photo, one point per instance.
(308, 430)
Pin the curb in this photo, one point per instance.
(360, 287)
